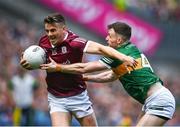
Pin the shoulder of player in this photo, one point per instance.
(128, 47)
(44, 41)
(72, 37)
(131, 50)
(80, 40)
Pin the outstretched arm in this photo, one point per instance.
(81, 68)
(76, 68)
(96, 48)
(107, 76)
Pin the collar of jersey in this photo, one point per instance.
(123, 44)
(66, 35)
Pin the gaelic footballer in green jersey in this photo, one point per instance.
(141, 83)
(141, 78)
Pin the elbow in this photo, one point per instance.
(104, 50)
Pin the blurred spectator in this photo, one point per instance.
(40, 105)
(22, 86)
(161, 10)
(6, 106)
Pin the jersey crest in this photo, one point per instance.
(64, 49)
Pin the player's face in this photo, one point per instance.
(113, 39)
(55, 32)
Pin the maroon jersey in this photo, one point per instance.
(68, 52)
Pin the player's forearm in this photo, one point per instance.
(96, 48)
(81, 68)
(108, 51)
(107, 76)
(77, 68)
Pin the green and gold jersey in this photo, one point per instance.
(140, 79)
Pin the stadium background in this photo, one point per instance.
(21, 23)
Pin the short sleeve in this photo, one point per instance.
(110, 62)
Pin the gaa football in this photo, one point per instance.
(35, 56)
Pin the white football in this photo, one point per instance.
(35, 56)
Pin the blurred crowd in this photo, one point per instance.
(160, 10)
(23, 93)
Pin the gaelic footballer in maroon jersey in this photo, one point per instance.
(67, 52)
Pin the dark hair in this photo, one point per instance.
(122, 29)
(54, 18)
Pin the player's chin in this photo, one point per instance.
(54, 42)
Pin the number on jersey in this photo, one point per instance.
(145, 62)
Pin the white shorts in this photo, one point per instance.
(79, 105)
(161, 103)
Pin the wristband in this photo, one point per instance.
(85, 78)
(58, 68)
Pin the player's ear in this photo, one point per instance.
(119, 40)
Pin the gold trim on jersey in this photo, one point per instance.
(122, 69)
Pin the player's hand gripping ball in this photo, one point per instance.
(35, 56)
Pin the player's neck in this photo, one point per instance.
(65, 37)
(124, 43)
